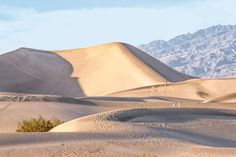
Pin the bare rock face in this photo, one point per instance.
(208, 52)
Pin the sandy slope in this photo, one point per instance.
(186, 123)
(109, 126)
(12, 113)
(97, 145)
(228, 98)
(198, 89)
(157, 128)
(34, 71)
(114, 67)
(17, 107)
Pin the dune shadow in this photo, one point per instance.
(197, 138)
(73, 82)
(175, 115)
(14, 139)
(37, 72)
(165, 116)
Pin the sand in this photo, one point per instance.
(115, 101)
(94, 71)
(198, 89)
(113, 130)
(37, 72)
(106, 64)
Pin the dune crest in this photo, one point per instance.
(117, 66)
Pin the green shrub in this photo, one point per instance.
(38, 125)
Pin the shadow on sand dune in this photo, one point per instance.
(198, 138)
(37, 72)
(39, 138)
(166, 116)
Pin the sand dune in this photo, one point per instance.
(228, 98)
(103, 145)
(198, 89)
(15, 108)
(37, 72)
(97, 70)
(193, 127)
(115, 101)
(182, 123)
(115, 67)
(157, 128)
(11, 113)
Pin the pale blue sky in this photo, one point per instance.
(63, 24)
(43, 5)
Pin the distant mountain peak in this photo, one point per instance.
(209, 52)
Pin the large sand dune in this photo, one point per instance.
(96, 70)
(115, 101)
(115, 67)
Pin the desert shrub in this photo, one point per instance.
(38, 125)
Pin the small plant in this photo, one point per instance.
(38, 125)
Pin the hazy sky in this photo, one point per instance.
(63, 24)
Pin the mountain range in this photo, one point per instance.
(209, 53)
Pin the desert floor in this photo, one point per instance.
(107, 126)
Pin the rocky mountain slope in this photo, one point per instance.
(209, 52)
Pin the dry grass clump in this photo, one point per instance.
(38, 125)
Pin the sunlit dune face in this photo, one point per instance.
(109, 68)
